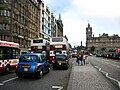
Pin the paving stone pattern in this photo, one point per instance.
(86, 77)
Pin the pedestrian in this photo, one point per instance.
(81, 59)
(78, 59)
(84, 59)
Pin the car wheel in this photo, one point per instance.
(66, 67)
(39, 74)
(48, 69)
(54, 68)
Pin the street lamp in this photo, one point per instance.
(47, 51)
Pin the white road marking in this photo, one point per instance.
(8, 80)
(58, 87)
(106, 74)
(1, 84)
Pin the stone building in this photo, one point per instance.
(24, 20)
(103, 42)
(53, 25)
(19, 21)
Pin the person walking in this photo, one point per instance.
(78, 59)
(84, 58)
(81, 59)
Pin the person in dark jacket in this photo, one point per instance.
(81, 59)
(78, 59)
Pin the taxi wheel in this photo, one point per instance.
(48, 69)
(39, 74)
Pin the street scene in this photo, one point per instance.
(85, 77)
(59, 45)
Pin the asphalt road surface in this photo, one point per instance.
(51, 81)
(107, 66)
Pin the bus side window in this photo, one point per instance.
(1, 53)
(7, 53)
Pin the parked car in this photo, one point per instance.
(32, 64)
(60, 60)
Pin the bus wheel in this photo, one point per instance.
(7, 70)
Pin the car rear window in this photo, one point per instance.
(28, 58)
(60, 57)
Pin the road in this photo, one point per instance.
(57, 78)
(107, 66)
(54, 79)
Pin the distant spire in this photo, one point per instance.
(59, 17)
(81, 43)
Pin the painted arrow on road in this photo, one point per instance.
(58, 87)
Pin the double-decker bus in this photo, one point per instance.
(9, 56)
(40, 45)
(58, 45)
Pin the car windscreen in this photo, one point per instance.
(60, 57)
(28, 58)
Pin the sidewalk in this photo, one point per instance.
(86, 77)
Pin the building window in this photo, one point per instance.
(4, 26)
(43, 28)
(0, 26)
(7, 26)
(4, 1)
(42, 12)
(43, 20)
(4, 13)
(43, 5)
(8, 13)
(48, 24)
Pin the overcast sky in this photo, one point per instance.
(103, 16)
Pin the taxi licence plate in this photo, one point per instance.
(25, 69)
(59, 63)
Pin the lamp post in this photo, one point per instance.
(47, 51)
